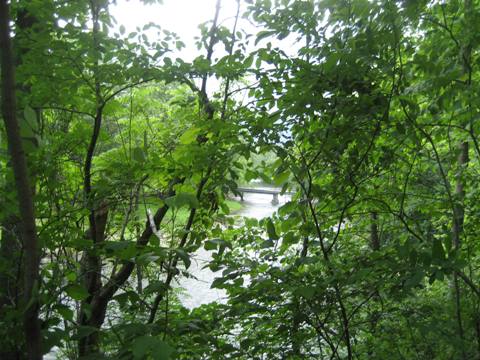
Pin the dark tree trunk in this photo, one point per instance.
(23, 187)
(458, 205)
(97, 218)
(457, 230)
(11, 248)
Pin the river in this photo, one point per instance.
(196, 289)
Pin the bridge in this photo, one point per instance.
(270, 191)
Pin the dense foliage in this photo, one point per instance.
(367, 112)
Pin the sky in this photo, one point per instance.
(180, 16)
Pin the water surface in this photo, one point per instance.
(197, 289)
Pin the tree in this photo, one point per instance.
(23, 189)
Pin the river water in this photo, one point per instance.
(196, 289)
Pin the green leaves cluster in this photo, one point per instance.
(363, 113)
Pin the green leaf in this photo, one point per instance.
(189, 136)
(272, 234)
(210, 245)
(248, 61)
(251, 222)
(155, 287)
(218, 283)
(139, 155)
(65, 311)
(281, 178)
(52, 338)
(76, 292)
(71, 276)
(415, 279)
(153, 346)
(184, 256)
(267, 243)
(307, 292)
(122, 299)
(213, 244)
(262, 35)
(438, 253)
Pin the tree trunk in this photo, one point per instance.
(97, 217)
(11, 251)
(23, 187)
(458, 206)
(457, 230)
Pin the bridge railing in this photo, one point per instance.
(272, 191)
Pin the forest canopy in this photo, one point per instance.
(120, 161)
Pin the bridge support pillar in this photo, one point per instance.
(275, 199)
(241, 196)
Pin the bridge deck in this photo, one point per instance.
(262, 191)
